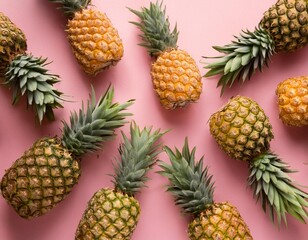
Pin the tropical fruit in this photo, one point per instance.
(95, 42)
(25, 74)
(292, 95)
(283, 28)
(175, 75)
(114, 213)
(243, 131)
(47, 172)
(193, 190)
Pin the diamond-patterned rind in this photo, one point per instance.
(12, 42)
(109, 215)
(292, 96)
(219, 221)
(176, 79)
(95, 42)
(40, 179)
(241, 129)
(287, 23)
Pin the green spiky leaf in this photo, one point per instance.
(275, 189)
(137, 156)
(69, 7)
(95, 124)
(155, 27)
(242, 57)
(190, 183)
(27, 75)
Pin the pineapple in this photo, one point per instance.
(193, 189)
(95, 42)
(175, 75)
(46, 173)
(114, 213)
(25, 74)
(283, 28)
(243, 131)
(292, 95)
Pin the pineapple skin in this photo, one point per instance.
(292, 95)
(219, 221)
(12, 42)
(41, 178)
(109, 215)
(95, 42)
(241, 129)
(176, 79)
(287, 23)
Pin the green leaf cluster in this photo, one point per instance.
(190, 183)
(242, 57)
(155, 27)
(95, 124)
(27, 75)
(137, 156)
(275, 189)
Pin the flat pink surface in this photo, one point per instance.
(202, 24)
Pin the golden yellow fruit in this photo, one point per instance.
(287, 23)
(293, 101)
(176, 79)
(95, 42)
(219, 221)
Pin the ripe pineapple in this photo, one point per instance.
(46, 173)
(193, 189)
(95, 42)
(283, 28)
(243, 131)
(292, 95)
(25, 74)
(175, 75)
(114, 213)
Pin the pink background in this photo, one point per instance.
(202, 23)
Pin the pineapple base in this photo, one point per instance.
(109, 215)
(292, 95)
(40, 179)
(176, 79)
(219, 221)
(95, 42)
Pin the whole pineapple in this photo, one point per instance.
(283, 28)
(25, 74)
(175, 75)
(95, 42)
(243, 131)
(193, 189)
(46, 173)
(292, 95)
(114, 213)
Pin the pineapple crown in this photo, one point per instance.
(138, 155)
(69, 7)
(271, 184)
(155, 27)
(190, 183)
(249, 52)
(94, 125)
(27, 75)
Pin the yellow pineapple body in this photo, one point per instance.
(293, 101)
(176, 79)
(12, 42)
(40, 179)
(109, 215)
(95, 42)
(219, 221)
(287, 23)
(241, 129)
